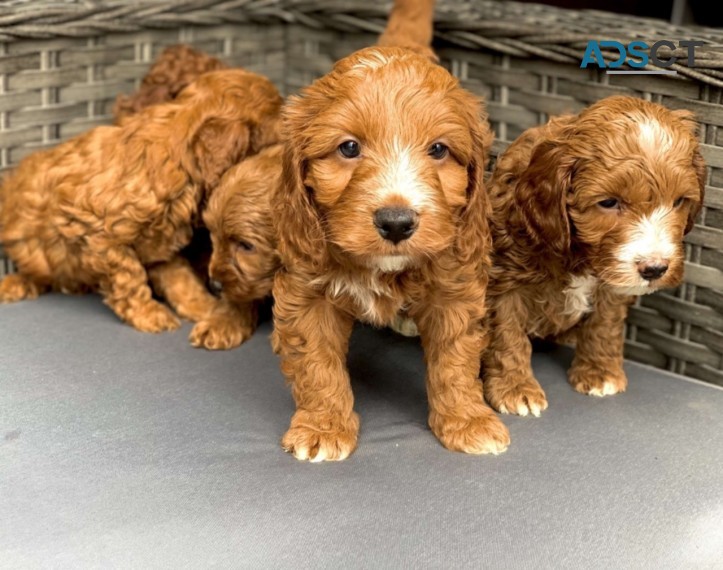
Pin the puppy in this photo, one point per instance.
(238, 213)
(98, 210)
(589, 211)
(174, 69)
(244, 249)
(382, 209)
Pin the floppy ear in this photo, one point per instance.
(541, 195)
(474, 240)
(702, 174)
(216, 146)
(297, 221)
(688, 120)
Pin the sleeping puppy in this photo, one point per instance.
(589, 211)
(173, 70)
(244, 256)
(97, 211)
(382, 209)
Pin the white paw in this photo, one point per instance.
(302, 454)
(524, 409)
(608, 389)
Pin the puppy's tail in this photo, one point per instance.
(411, 25)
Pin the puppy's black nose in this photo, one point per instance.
(215, 286)
(651, 271)
(395, 224)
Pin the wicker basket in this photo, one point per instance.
(63, 63)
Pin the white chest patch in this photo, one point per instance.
(578, 295)
(364, 292)
(390, 263)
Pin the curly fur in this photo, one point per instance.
(245, 277)
(174, 69)
(337, 268)
(565, 266)
(244, 255)
(98, 210)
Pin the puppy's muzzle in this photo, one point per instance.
(652, 271)
(216, 287)
(395, 224)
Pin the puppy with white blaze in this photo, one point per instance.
(382, 210)
(588, 212)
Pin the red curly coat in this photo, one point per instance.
(96, 211)
(171, 72)
(244, 254)
(236, 249)
(386, 134)
(588, 211)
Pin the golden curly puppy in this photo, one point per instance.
(382, 208)
(174, 69)
(243, 267)
(98, 210)
(588, 212)
(244, 256)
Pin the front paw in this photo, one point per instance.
(153, 317)
(216, 333)
(595, 381)
(483, 434)
(316, 439)
(515, 395)
(15, 287)
(197, 309)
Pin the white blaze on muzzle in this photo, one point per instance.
(400, 178)
(650, 239)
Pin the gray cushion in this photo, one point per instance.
(123, 449)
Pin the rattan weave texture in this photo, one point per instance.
(523, 30)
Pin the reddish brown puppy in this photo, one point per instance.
(244, 258)
(98, 210)
(174, 69)
(240, 202)
(589, 211)
(382, 208)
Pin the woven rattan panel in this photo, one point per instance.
(524, 59)
(53, 89)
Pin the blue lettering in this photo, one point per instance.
(592, 55)
(635, 50)
(621, 53)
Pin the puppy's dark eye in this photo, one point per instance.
(438, 151)
(679, 202)
(350, 149)
(246, 246)
(609, 203)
